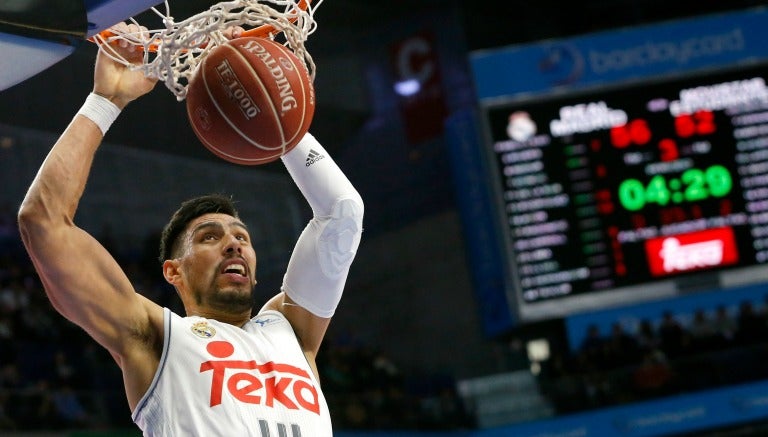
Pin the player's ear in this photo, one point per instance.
(171, 271)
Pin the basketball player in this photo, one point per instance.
(219, 371)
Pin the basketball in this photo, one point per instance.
(250, 101)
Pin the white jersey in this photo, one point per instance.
(215, 379)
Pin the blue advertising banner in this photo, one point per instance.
(632, 53)
(688, 413)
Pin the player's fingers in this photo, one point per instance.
(120, 30)
(128, 35)
(129, 40)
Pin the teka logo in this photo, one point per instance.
(693, 251)
(248, 382)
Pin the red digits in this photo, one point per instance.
(668, 150)
(634, 132)
(699, 123)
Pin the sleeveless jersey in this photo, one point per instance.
(215, 379)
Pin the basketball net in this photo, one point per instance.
(173, 53)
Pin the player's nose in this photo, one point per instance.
(232, 244)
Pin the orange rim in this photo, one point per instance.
(261, 31)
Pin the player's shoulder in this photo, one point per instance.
(269, 317)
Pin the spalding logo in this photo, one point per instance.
(287, 99)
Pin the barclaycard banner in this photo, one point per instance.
(620, 55)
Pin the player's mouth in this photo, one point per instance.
(235, 270)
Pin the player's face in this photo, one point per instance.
(219, 263)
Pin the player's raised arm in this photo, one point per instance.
(319, 265)
(82, 280)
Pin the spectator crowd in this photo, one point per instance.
(678, 353)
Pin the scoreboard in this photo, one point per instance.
(631, 193)
(615, 169)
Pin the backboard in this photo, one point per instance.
(36, 34)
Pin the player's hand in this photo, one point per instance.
(115, 80)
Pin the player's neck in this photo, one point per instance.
(235, 319)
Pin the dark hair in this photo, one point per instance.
(188, 211)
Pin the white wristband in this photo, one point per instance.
(99, 110)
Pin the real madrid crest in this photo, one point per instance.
(203, 329)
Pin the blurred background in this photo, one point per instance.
(524, 167)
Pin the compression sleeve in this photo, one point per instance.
(319, 264)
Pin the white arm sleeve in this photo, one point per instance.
(320, 261)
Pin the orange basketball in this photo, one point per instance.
(250, 101)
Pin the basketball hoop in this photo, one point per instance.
(173, 53)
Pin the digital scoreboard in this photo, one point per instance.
(632, 193)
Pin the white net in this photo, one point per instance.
(172, 53)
